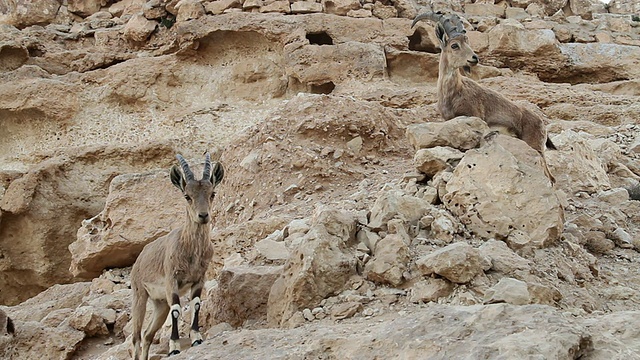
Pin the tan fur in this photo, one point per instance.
(175, 263)
(461, 96)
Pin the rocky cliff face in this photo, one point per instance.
(348, 203)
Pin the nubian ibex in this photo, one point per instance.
(459, 95)
(176, 263)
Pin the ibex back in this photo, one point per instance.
(461, 96)
(176, 263)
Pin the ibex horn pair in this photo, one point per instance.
(187, 171)
(451, 23)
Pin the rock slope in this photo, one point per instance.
(352, 222)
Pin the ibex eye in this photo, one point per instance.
(455, 46)
(213, 195)
(187, 197)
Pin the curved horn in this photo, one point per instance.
(206, 174)
(451, 23)
(185, 167)
(428, 16)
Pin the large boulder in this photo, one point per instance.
(393, 203)
(242, 293)
(318, 267)
(576, 165)
(462, 132)
(458, 263)
(390, 261)
(47, 204)
(23, 13)
(501, 188)
(139, 209)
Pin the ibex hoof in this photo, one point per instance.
(197, 342)
(174, 352)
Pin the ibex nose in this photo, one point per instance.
(474, 59)
(203, 217)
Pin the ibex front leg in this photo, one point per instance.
(194, 333)
(174, 297)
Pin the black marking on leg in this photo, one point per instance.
(175, 299)
(196, 314)
(196, 293)
(197, 342)
(174, 328)
(10, 327)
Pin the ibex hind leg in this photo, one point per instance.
(139, 308)
(160, 312)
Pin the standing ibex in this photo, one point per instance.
(176, 263)
(459, 95)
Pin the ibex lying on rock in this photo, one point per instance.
(6, 324)
(459, 95)
(176, 263)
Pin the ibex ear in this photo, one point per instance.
(176, 178)
(217, 174)
(442, 35)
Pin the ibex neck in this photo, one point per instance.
(449, 85)
(195, 231)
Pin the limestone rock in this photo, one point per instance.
(514, 332)
(23, 13)
(139, 209)
(550, 7)
(587, 8)
(382, 11)
(272, 250)
(479, 9)
(85, 8)
(575, 165)
(345, 310)
(433, 160)
(462, 133)
(219, 6)
(154, 9)
(430, 289)
(503, 259)
(614, 196)
(33, 341)
(305, 7)
(189, 10)
(87, 320)
(242, 293)
(340, 7)
(389, 262)
(139, 28)
(45, 190)
(336, 222)
(280, 6)
(597, 243)
(12, 56)
(458, 263)
(510, 291)
(57, 297)
(624, 7)
(319, 266)
(501, 188)
(394, 203)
